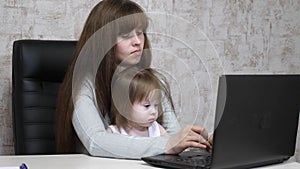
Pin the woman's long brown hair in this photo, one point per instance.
(103, 13)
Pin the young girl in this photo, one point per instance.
(114, 33)
(137, 102)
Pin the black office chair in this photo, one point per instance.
(38, 68)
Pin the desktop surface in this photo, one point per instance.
(76, 161)
(80, 161)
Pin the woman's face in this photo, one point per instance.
(130, 46)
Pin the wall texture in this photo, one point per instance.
(249, 36)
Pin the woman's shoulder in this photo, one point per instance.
(84, 87)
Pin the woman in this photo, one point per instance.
(115, 33)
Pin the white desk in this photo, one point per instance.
(79, 161)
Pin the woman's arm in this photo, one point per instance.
(162, 130)
(91, 129)
(170, 121)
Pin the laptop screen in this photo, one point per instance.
(256, 119)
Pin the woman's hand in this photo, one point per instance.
(190, 136)
(211, 139)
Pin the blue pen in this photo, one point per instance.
(23, 166)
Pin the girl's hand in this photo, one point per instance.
(190, 136)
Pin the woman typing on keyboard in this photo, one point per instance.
(114, 36)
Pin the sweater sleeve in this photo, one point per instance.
(90, 127)
(170, 121)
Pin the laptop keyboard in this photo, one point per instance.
(201, 161)
(194, 157)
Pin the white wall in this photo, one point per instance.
(249, 37)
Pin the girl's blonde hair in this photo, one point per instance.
(134, 85)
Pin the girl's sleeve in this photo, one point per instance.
(90, 127)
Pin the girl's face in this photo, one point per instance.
(130, 46)
(145, 112)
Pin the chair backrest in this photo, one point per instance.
(39, 67)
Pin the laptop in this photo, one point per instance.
(256, 124)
